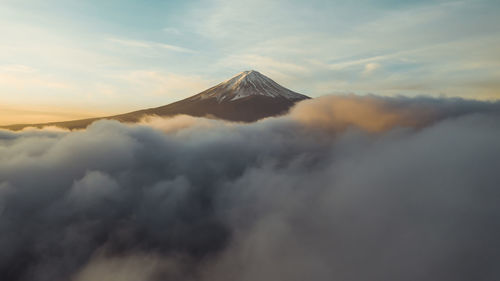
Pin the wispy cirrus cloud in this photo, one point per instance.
(172, 30)
(150, 45)
(153, 82)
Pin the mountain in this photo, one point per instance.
(246, 97)
(247, 84)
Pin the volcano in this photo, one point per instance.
(247, 97)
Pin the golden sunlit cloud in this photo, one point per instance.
(370, 113)
(179, 122)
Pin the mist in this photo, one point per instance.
(341, 188)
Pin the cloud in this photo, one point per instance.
(300, 197)
(172, 30)
(374, 113)
(158, 83)
(132, 268)
(384, 210)
(425, 47)
(20, 77)
(274, 68)
(150, 45)
(371, 67)
(180, 122)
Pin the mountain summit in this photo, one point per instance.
(246, 97)
(247, 84)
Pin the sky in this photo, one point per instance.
(69, 59)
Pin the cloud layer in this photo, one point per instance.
(407, 192)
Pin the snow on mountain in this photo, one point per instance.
(245, 84)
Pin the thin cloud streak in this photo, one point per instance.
(147, 44)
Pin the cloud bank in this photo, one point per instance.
(342, 188)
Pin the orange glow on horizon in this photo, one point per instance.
(10, 115)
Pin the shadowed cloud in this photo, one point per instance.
(342, 188)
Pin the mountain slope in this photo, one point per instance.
(246, 97)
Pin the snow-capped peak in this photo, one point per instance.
(248, 83)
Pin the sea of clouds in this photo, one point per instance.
(344, 188)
